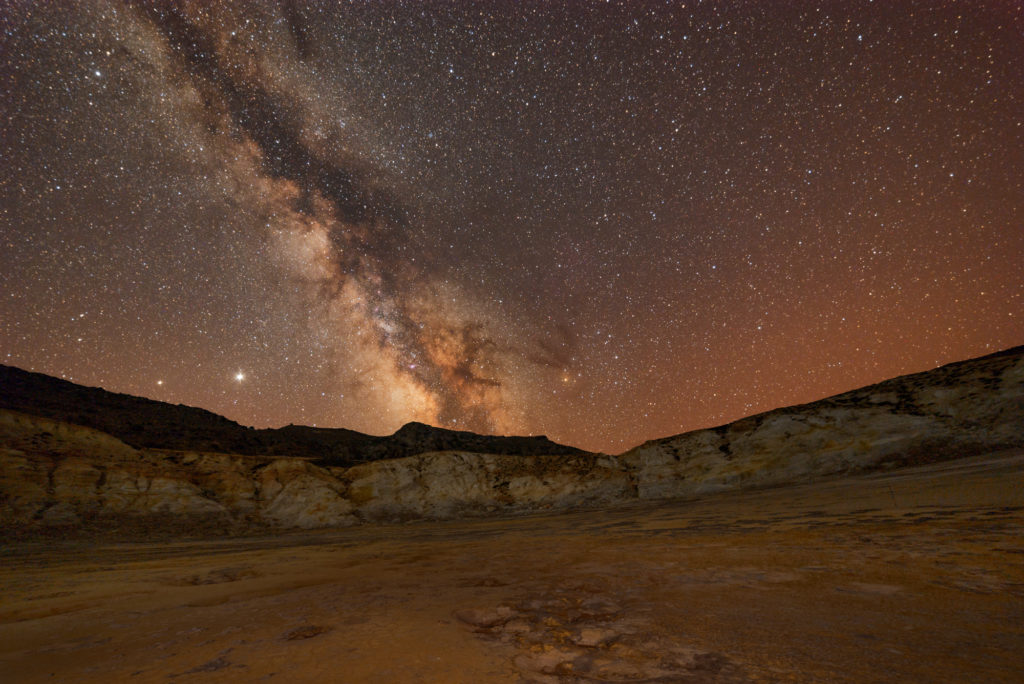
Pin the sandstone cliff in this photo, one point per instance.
(958, 410)
(55, 475)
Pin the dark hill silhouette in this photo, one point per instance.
(146, 423)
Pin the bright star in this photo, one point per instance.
(239, 376)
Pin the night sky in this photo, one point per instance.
(602, 222)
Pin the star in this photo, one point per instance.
(407, 211)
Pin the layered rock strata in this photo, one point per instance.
(957, 410)
(57, 475)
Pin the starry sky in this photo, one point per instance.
(605, 222)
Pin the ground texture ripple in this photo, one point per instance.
(915, 575)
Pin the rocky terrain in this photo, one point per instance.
(957, 410)
(82, 459)
(914, 575)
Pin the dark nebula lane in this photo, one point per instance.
(438, 360)
(602, 222)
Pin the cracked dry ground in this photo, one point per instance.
(913, 576)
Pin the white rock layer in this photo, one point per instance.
(56, 474)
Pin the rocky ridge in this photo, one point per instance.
(56, 475)
(148, 424)
(961, 409)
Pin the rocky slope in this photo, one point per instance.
(57, 475)
(957, 410)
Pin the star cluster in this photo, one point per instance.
(601, 221)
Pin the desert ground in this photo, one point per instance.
(914, 575)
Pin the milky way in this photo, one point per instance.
(604, 222)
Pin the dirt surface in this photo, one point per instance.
(917, 575)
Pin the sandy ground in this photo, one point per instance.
(916, 576)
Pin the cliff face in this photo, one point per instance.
(58, 474)
(54, 474)
(957, 410)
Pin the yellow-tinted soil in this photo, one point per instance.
(914, 576)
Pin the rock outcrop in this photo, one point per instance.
(961, 409)
(55, 475)
(452, 484)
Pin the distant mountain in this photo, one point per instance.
(146, 423)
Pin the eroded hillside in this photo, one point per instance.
(55, 475)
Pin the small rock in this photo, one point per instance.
(517, 627)
(594, 636)
(553, 661)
